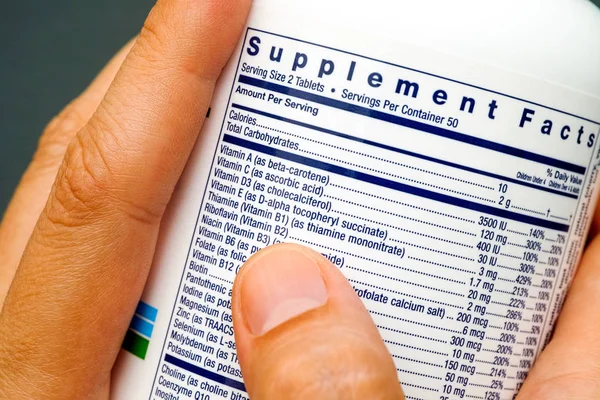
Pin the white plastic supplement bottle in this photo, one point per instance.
(443, 153)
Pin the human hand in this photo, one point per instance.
(84, 244)
(83, 270)
(302, 333)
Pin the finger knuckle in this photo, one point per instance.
(88, 188)
(58, 134)
(154, 36)
(66, 123)
(162, 42)
(80, 187)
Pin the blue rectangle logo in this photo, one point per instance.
(146, 311)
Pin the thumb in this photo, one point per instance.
(302, 333)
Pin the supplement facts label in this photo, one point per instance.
(457, 213)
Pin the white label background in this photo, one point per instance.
(456, 331)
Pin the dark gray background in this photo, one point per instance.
(49, 52)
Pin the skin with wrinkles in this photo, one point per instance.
(81, 231)
(87, 259)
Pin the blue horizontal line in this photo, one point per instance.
(401, 187)
(408, 123)
(402, 151)
(146, 311)
(141, 326)
(205, 373)
(430, 74)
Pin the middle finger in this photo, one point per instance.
(34, 188)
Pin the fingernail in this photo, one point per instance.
(278, 286)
